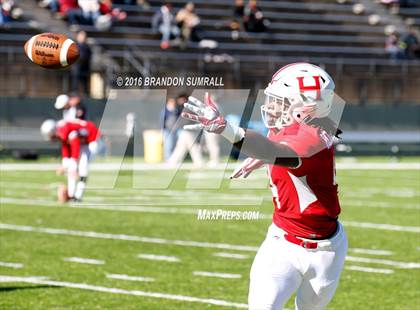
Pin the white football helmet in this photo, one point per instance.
(48, 128)
(298, 92)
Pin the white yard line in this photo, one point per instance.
(402, 265)
(112, 290)
(217, 275)
(370, 270)
(231, 255)
(81, 260)
(98, 235)
(380, 226)
(11, 265)
(370, 251)
(172, 259)
(191, 211)
(129, 278)
(189, 166)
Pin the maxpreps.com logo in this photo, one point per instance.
(219, 214)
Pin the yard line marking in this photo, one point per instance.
(189, 166)
(129, 278)
(11, 265)
(370, 251)
(368, 269)
(231, 255)
(380, 226)
(171, 210)
(113, 290)
(217, 275)
(402, 265)
(81, 260)
(172, 259)
(92, 234)
(5, 279)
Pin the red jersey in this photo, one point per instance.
(305, 198)
(74, 133)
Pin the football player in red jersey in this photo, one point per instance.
(305, 247)
(80, 140)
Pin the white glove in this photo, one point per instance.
(244, 170)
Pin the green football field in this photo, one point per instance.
(145, 248)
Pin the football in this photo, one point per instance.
(52, 50)
(62, 195)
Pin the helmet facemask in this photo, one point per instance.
(276, 112)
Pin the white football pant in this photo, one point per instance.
(281, 268)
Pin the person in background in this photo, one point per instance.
(253, 18)
(237, 16)
(163, 21)
(81, 69)
(188, 22)
(72, 107)
(6, 7)
(411, 43)
(188, 140)
(169, 117)
(392, 46)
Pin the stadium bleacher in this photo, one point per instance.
(322, 32)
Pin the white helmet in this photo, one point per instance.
(48, 128)
(61, 101)
(298, 92)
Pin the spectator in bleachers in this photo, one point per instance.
(67, 6)
(237, 15)
(6, 11)
(164, 22)
(254, 20)
(411, 43)
(169, 117)
(393, 46)
(188, 22)
(81, 69)
(393, 5)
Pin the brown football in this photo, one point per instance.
(52, 50)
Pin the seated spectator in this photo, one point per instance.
(6, 7)
(393, 5)
(238, 15)
(393, 46)
(80, 71)
(411, 43)
(253, 18)
(188, 22)
(163, 21)
(66, 6)
(106, 8)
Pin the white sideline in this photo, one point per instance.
(113, 290)
(81, 260)
(129, 278)
(11, 265)
(217, 275)
(189, 166)
(402, 265)
(231, 255)
(370, 251)
(172, 259)
(370, 270)
(172, 210)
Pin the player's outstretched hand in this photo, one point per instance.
(244, 170)
(205, 114)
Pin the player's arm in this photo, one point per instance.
(256, 145)
(250, 142)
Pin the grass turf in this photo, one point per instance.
(374, 196)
